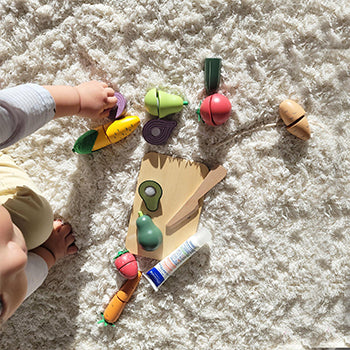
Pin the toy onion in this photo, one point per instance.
(158, 131)
(120, 108)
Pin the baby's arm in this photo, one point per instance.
(92, 99)
(26, 108)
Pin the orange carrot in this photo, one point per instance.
(118, 302)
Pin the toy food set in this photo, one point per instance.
(178, 179)
(161, 104)
(121, 127)
(293, 115)
(216, 108)
(169, 197)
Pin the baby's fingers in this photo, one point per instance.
(110, 102)
(110, 91)
(105, 113)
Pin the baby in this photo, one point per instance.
(31, 241)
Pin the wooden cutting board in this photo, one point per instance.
(179, 178)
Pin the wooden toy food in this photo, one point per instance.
(126, 264)
(118, 302)
(106, 134)
(215, 109)
(212, 68)
(149, 236)
(157, 131)
(120, 107)
(161, 104)
(151, 192)
(293, 115)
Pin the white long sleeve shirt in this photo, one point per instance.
(36, 271)
(23, 110)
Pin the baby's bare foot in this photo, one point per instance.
(61, 240)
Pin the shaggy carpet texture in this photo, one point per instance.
(276, 274)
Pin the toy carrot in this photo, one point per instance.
(118, 302)
(106, 134)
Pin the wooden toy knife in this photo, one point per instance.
(186, 211)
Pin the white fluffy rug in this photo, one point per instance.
(277, 272)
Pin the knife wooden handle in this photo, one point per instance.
(214, 177)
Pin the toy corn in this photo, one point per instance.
(106, 134)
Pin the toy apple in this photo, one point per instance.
(126, 264)
(215, 109)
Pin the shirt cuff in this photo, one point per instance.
(36, 271)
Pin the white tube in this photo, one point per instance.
(166, 267)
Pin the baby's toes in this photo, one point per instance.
(69, 239)
(57, 224)
(63, 229)
(72, 249)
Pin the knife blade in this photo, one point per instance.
(191, 205)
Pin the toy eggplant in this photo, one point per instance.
(162, 104)
(106, 134)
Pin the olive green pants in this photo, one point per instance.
(29, 210)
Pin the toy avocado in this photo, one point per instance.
(149, 235)
(161, 104)
(151, 192)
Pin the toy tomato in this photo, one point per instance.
(215, 109)
(126, 264)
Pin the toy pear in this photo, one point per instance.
(293, 115)
(149, 235)
(162, 104)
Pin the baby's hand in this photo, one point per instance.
(96, 99)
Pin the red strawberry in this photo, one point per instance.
(126, 264)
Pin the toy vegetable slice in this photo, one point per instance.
(106, 134)
(118, 302)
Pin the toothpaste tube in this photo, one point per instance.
(166, 267)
